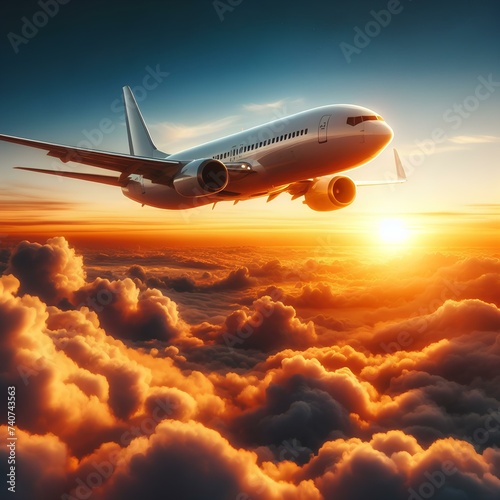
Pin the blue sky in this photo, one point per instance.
(219, 67)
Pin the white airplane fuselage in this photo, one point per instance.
(307, 145)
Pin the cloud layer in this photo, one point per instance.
(246, 376)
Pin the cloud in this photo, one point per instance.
(235, 280)
(45, 464)
(270, 326)
(301, 376)
(394, 466)
(127, 312)
(474, 139)
(37, 205)
(279, 107)
(257, 108)
(51, 271)
(32, 361)
(177, 453)
(176, 132)
(297, 412)
(450, 320)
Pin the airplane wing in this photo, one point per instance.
(159, 171)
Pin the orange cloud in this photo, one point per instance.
(118, 394)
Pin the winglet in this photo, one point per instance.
(400, 175)
(139, 139)
(399, 167)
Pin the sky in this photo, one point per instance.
(264, 350)
(215, 68)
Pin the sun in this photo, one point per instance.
(393, 231)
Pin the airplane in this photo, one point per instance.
(305, 154)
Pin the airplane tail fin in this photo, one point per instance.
(139, 139)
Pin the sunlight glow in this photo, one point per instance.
(393, 231)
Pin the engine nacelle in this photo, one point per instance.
(201, 178)
(330, 193)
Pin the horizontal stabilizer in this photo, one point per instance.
(101, 179)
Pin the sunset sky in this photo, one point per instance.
(223, 69)
(258, 351)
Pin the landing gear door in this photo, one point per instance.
(323, 129)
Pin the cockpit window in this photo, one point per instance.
(355, 120)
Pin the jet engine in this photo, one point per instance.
(330, 193)
(201, 178)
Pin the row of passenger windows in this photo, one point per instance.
(354, 120)
(257, 145)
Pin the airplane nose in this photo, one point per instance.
(378, 134)
(389, 133)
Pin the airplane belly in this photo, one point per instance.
(161, 196)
